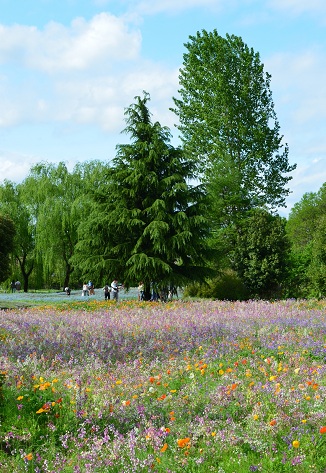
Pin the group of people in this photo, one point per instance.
(112, 289)
(162, 294)
(88, 289)
(15, 286)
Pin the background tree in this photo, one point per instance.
(7, 233)
(305, 227)
(13, 202)
(229, 126)
(151, 227)
(317, 267)
(261, 253)
(59, 197)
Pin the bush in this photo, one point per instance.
(226, 286)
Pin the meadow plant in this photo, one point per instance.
(206, 386)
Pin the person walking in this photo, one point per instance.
(115, 289)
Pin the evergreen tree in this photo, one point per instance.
(151, 226)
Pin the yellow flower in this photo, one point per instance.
(295, 443)
(256, 417)
(19, 398)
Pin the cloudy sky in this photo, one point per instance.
(69, 68)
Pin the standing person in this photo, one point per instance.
(18, 285)
(68, 290)
(13, 286)
(85, 290)
(141, 291)
(91, 288)
(106, 290)
(115, 289)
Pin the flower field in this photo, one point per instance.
(206, 386)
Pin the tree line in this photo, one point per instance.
(202, 215)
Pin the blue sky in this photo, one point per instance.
(69, 68)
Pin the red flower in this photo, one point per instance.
(322, 430)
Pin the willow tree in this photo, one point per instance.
(12, 202)
(7, 233)
(55, 192)
(151, 227)
(229, 127)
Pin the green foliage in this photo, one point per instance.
(261, 253)
(13, 202)
(229, 126)
(317, 268)
(151, 226)
(306, 232)
(225, 286)
(7, 233)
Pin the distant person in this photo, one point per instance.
(106, 290)
(115, 289)
(85, 290)
(13, 286)
(18, 285)
(141, 291)
(67, 290)
(91, 288)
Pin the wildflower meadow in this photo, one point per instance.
(186, 386)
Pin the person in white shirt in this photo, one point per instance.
(115, 289)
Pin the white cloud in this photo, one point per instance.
(101, 41)
(82, 84)
(14, 166)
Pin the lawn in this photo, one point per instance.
(202, 386)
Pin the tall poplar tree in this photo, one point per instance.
(151, 226)
(229, 127)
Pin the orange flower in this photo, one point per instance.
(272, 422)
(29, 456)
(151, 379)
(322, 430)
(165, 446)
(182, 443)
